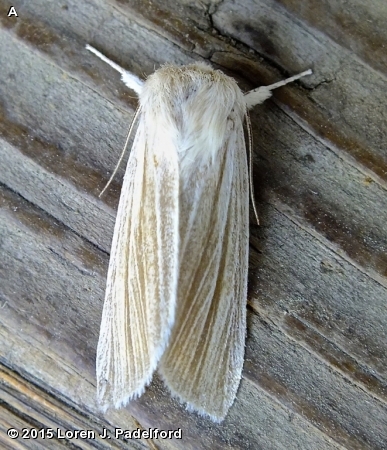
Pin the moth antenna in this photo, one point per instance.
(131, 80)
(122, 153)
(250, 137)
(253, 98)
(289, 80)
(259, 95)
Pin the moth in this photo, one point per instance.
(177, 279)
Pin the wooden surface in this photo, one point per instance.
(315, 374)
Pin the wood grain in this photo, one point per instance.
(315, 374)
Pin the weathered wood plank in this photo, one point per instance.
(62, 329)
(300, 379)
(42, 411)
(354, 24)
(57, 335)
(9, 420)
(292, 168)
(296, 277)
(345, 91)
(315, 373)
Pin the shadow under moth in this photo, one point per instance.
(177, 278)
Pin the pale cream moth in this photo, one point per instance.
(177, 279)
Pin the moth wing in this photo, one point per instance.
(203, 362)
(141, 287)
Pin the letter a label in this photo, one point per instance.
(12, 12)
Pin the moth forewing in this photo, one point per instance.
(139, 303)
(203, 362)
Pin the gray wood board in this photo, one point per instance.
(315, 370)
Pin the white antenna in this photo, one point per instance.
(262, 93)
(131, 80)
